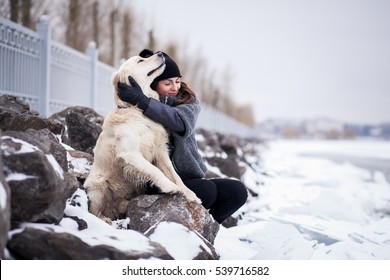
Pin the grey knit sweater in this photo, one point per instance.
(184, 152)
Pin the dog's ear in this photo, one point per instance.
(115, 78)
(145, 53)
(119, 76)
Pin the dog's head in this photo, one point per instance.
(143, 70)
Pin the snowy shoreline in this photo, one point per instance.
(314, 208)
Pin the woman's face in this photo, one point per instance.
(169, 87)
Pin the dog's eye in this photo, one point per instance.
(141, 60)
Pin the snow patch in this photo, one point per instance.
(180, 243)
(3, 196)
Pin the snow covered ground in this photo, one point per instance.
(311, 207)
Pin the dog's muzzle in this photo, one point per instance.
(160, 54)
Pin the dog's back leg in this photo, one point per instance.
(96, 201)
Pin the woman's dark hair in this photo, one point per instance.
(187, 95)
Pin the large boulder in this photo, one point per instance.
(34, 243)
(35, 167)
(147, 210)
(83, 127)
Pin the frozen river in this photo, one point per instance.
(370, 163)
(317, 200)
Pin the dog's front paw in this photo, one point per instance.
(197, 200)
(191, 196)
(172, 188)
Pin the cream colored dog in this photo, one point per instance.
(131, 149)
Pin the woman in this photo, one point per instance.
(178, 110)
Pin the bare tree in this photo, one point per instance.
(127, 26)
(73, 23)
(96, 27)
(151, 41)
(14, 10)
(79, 22)
(26, 13)
(113, 17)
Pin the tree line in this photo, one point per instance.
(119, 33)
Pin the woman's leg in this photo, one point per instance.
(222, 196)
(231, 195)
(206, 190)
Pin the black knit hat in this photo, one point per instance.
(171, 68)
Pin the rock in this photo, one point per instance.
(230, 222)
(15, 105)
(147, 210)
(228, 166)
(225, 153)
(82, 134)
(211, 175)
(229, 145)
(83, 126)
(210, 141)
(5, 209)
(15, 115)
(88, 113)
(33, 243)
(46, 142)
(39, 186)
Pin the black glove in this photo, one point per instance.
(133, 94)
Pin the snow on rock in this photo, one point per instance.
(3, 197)
(186, 244)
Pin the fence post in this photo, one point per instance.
(92, 52)
(43, 29)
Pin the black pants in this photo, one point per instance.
(222, 196)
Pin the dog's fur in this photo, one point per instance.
(131, 149)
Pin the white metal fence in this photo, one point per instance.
(51, 76)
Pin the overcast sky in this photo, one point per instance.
(291, 58)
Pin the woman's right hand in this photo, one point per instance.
(133, 94)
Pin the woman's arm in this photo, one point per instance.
(159, 112)
(180, 119)
(166, 115)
